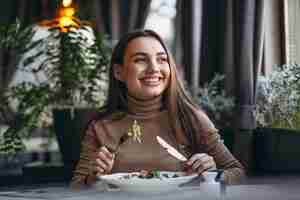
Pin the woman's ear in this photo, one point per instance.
(118, 72)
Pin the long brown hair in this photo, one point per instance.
(180, 106)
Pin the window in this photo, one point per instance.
(161, 19)
(292, 33)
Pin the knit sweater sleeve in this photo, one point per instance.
(210, 143)
(82, 175)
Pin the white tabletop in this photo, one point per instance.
(236, 192)
(102, 191)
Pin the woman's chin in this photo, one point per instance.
(146, 97)
(146, 94)
(152, 95)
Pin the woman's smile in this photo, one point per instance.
(151, 80)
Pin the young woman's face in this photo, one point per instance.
(145, 68)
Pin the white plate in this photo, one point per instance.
(127, 182)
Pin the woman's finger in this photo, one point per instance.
(209, 164)
(106, 152)
(197, 164)
(99, 171)
(102, 165)
(201, 162)
(104, 159)
(195, 157)
(95, 168)
(105, 155)
(105, 162)
(204, 167)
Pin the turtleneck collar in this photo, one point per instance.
(144, 108)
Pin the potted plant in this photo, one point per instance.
(277, 108)
(70, 79)
(13, 38)
(219, 107)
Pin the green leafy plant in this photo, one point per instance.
(214, 100)
(278, 97)
(14, 41)
(69, 70)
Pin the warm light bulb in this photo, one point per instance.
(65, 21)
(65, 18)
(66, 12)
(69, 12)
(66, 3)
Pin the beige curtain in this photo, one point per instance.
(274, 36)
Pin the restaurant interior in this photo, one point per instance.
(238, 60)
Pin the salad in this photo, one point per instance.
(145, 174)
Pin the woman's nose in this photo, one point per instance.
(153, 65)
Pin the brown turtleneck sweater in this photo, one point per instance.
(136, 152)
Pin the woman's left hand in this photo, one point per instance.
(200, 162)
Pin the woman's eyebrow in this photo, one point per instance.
(161, 54)
(145, 54)
(138, 54)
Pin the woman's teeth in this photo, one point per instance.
(151, 79)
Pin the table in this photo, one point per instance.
(209, 190)
(235, 192)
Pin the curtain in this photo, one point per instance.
(28, 11)
(116, 17)
(248, 60)
(226, 37)
(274, 36)
(201, 28)
(190, 41)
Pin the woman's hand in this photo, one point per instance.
(200, 162)
(103, 162)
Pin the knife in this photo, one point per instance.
(171, 150)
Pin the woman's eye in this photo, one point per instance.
(139, 60)
(162, 60)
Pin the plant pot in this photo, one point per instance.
(11, 169)
(227, 135)
(69, 128)
(277, 150)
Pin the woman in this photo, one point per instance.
(146, 99)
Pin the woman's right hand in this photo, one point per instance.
(104, 161)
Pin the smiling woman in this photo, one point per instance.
(146, 99)
(145, 69)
